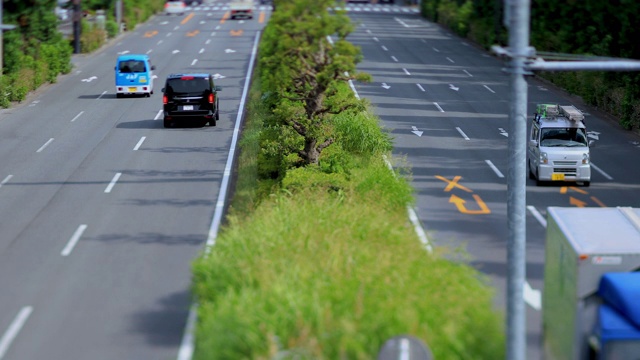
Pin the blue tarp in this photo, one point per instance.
(613, 326)
(621, 291)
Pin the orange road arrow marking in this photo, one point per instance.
(460, 205)
(453, 183)
(149, 34)
(565, 189)
(595, 200)
(236, 32)
(225, 17)
(184, 21)
(576, 202)
(261, 17)
(193, 33)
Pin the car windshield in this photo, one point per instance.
(563, 137)
(132, 66)
(187, 85)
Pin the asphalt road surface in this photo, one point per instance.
(102, 210)
(445, 102)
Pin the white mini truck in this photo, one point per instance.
(558, 148)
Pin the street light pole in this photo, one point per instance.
(77, 25)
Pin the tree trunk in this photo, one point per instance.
(312, 155)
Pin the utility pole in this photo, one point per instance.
(77, 25)
(119, 15)
(523, 61)
(3, 27)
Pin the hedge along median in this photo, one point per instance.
(319, 261)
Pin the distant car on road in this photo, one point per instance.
(190, 97)
(173, 7)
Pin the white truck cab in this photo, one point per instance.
(558, 149)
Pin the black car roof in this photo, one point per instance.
(173, 76)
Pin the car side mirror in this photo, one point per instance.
(533, 143)
(218, 88)
(153, 67)
(592, 143)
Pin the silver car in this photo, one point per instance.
(175, 7)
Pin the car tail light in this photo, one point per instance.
(166, 5)
(165, 99)
(212, 98)
(144, 88)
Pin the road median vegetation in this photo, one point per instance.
(317, 258)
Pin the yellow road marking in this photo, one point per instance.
(576, 202)
(453, 183)
(597, 201)
(261, 17)
(184, 21)
(459, 202)
(236, 32)
(225, 17)
(193, 33)
(149, 34)
(565, 189)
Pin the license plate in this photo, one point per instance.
(187, 107)
(133, 89)
(557, 177)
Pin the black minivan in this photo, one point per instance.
(190, 97)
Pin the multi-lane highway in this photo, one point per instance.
(446, 104)
(102, 210)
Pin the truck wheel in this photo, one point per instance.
(530, 172)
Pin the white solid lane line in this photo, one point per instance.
(139, 143)
(74, 240)
(6, 180)
(14, 329)
(112, 183)
(494, 168)
(601, 172)
(188, 340)
(462, 133)
(77, 116)
(45, 145)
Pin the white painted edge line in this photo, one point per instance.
(601, 172)
(187, 345)
(112, 183)
(451, 60)
(139, 143)
(405, 349)
(13, 330)
(188, 340)
(536, 214)
(74, 240)
(406, 71)
(194, 62)
(438, 106)
(384, 48)
(104, 92)
(6, 180)
(488, 88)
(158, 114)
(45, 145)
(462, 133)
(77, 116)
(494, 168)
(468, 73)
(420, 87)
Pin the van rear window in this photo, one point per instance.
(132, 66)
(187, 85)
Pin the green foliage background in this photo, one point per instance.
(590, 27)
